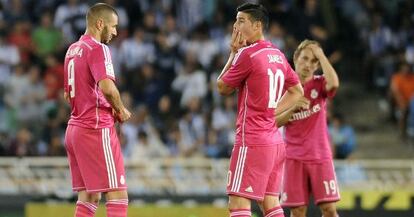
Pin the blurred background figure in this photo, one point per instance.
(342, 136)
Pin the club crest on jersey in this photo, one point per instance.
(314, 94)
(109, 69)
(122, 180)
(283, 198)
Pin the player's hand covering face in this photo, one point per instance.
(237, 40)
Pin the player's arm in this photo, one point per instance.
(283, 118)
(237, 42)
(66, 96)
(332, 80)
(111, 94)
(287, 104)
(222, 87)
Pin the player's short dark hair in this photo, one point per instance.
(100, 10)
(256, 11)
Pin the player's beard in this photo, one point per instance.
(105, 36)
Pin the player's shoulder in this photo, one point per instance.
(92, 44)
(318, 78)
(248, 49)
(266, 47)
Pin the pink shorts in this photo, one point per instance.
(256, 171)
(304, 178)
(95, 159)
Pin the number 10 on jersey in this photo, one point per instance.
(276, 82)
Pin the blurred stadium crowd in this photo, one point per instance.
(167, 56)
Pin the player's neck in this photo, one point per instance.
(257, 38)
(304, 78)
(93, 34)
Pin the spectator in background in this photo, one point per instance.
(23, 144)
(192, 128)
(31, 111)
(402, 91)
(411, 120)
(164, 117)
(149, 86)
(191, 81)
(277, 35)
(223, 119)
(20, 36)
(165, 60)
(135, 51)
(15, 89)
(122, 14)
(46, 38)
(15, 11)
(147, 147)
(70, 18)
(53, 77)
(342, 136)
(9, 57)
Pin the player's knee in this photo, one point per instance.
(328, 210)
(236, 202)
(95, 198)
(88, 197)
(115, 195)
(298, 211)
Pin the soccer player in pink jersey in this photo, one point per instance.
(92, 146)
(309, 166)
(266, 85)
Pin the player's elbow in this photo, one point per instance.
(297, 91)
(224, 89)
(333, 86)
(107, 87)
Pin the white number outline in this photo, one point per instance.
(71, 77)
(330, 187)
(275, 91)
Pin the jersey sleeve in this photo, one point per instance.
(100, 63)
(239, 70)
(291, 78)
(326, 93)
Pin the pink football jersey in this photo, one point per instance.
(87, 62)
(260, 72)
(306, 134)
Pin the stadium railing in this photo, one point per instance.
(189, 176)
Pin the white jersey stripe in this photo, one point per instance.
(274, 212)
(108, 54)
(105, 54)
(263, 49)
(106, 157)
(236, 173)
(240, 213)
(97, 106)
(107, 160)
(244, 116)
(112, 163)
(242, 168)
(86, 44)
(239, 169)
